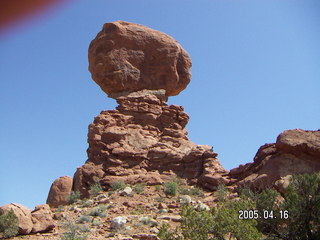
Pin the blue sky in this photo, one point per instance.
(256, 73)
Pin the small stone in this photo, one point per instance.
(126, 192)
(104, 200)
(185, 199)
(118, 222)
(162, 206)
(154, 230)
(202, 207)
(174, 218)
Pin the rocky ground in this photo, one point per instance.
(143, 209)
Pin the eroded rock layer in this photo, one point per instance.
(295, 152)
(145, 140)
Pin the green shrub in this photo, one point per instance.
(99, 211)
(184, 191)
(9, 224)
(265, 201)
(246, 192)
(215, 224)
(60, 208)
(196, 191)
(119, 185)
(139, 188)
(171, 188)
(165, 233)
(74, 196)
(227, 221)
(75, 231)
(302, 201)
(96, 222)
(86, 203)
(84, 219)
(95, 189)
(221, 192)
(157, 188)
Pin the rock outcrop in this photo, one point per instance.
(39, 220)
(60, 191)
(23, 214)
(295, 152)
(145, 140)
(127, 57)
(42, 219)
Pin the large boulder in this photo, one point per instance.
(145, 140)
(23, 214)
(127, 57)
(295, 152)
(60, 191)
(42, 219)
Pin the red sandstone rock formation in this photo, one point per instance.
(127, 57)
(23, 214)
(145, 140)
(42, 219)
(39, 220)
(295, 152)
(60, 191)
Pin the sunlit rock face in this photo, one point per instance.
(127, 57)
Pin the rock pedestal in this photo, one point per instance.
(145, 140)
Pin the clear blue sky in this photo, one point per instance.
(256, 73)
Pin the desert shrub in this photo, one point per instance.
(86, 202)
(139, 188)
(171, 188)
(227, 221)
(99, 211)
(165, 233)
(95, 189)
(60, 208)
(302, 201)
(265, 201)
(157, 188)
(74, 196)
(184, 191)
(196, 191)
(221, 192)
(9, 224)
(118, 185)
(145, 220)
(84, 219)
(215, 224)
(75, 231)
(246, 192)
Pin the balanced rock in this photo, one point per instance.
(60, 191)
(145, 140)
(127, 57)
(295, 152)
(23, 214)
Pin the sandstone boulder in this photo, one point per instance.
(42, 219)
(295, 152)
(60, 191)
(127, 57)
(145, 140)
(23, 214)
